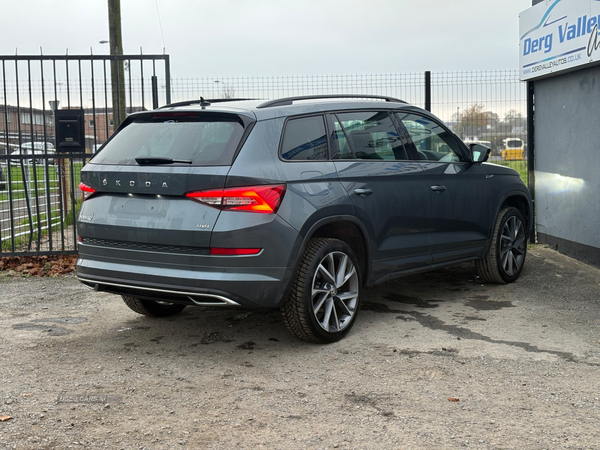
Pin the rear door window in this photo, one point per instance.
(203, 142)
(305, 139)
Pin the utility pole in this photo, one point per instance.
(116, 67)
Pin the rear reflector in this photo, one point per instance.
(259, 199)
(86, 191)
(235, 251)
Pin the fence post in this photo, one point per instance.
(531, 148)
(428, 90)
(154, 92)
(167, 79)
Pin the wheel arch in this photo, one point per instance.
(520, 201)
(346, 228)
(349, 230)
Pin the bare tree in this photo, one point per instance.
(473, 121)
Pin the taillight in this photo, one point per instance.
(86, 191)
(167, 115)
(259, 199)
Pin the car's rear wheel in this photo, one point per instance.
(325, 297)
(505, 258)
(152, 308)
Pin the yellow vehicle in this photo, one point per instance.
(513, 149)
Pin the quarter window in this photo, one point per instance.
(432, 141)
(368, 135)
(305, 139)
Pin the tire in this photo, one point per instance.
(505, 258)
(320, 309)
(152, 308)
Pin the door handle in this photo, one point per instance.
(363, 192)
(438, 188)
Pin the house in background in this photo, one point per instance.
(37, 125)
(28, 124)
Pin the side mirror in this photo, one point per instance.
(479, 153)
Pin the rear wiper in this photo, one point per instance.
(151, 160)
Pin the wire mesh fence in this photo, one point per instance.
(487, 107)
(406, 86)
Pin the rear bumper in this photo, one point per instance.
(158, 293)
(208, 285)
(513, 155)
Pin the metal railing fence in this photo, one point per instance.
(40, 199)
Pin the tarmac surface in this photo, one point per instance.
(438, 360)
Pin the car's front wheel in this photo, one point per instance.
(325, 297)
(152, 308)
(505, 258)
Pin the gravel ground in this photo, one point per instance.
(435, 361)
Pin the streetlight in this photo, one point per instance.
(103, 41)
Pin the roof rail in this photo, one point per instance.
(202, 102)
(290, 100)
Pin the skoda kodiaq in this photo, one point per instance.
(297, 203)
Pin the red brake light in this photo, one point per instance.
(259, 199)
(166, 115)
(86, 191)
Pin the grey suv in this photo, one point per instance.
(296, 203)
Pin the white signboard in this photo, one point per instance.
(557, 35)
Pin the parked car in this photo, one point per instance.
(44, 150)
(297, 203)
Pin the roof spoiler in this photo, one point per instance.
(204, 103)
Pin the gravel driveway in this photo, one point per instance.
(435, 361)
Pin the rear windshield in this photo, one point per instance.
(514, 144)
(203, 142)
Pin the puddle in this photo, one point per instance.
(407, 300)
(378, 308)
(247, 345)
(62, 320)
(480, 303)
(47, 329)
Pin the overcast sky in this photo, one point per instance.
(279, 37)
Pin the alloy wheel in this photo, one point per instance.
(335, 292)
(512, 245)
